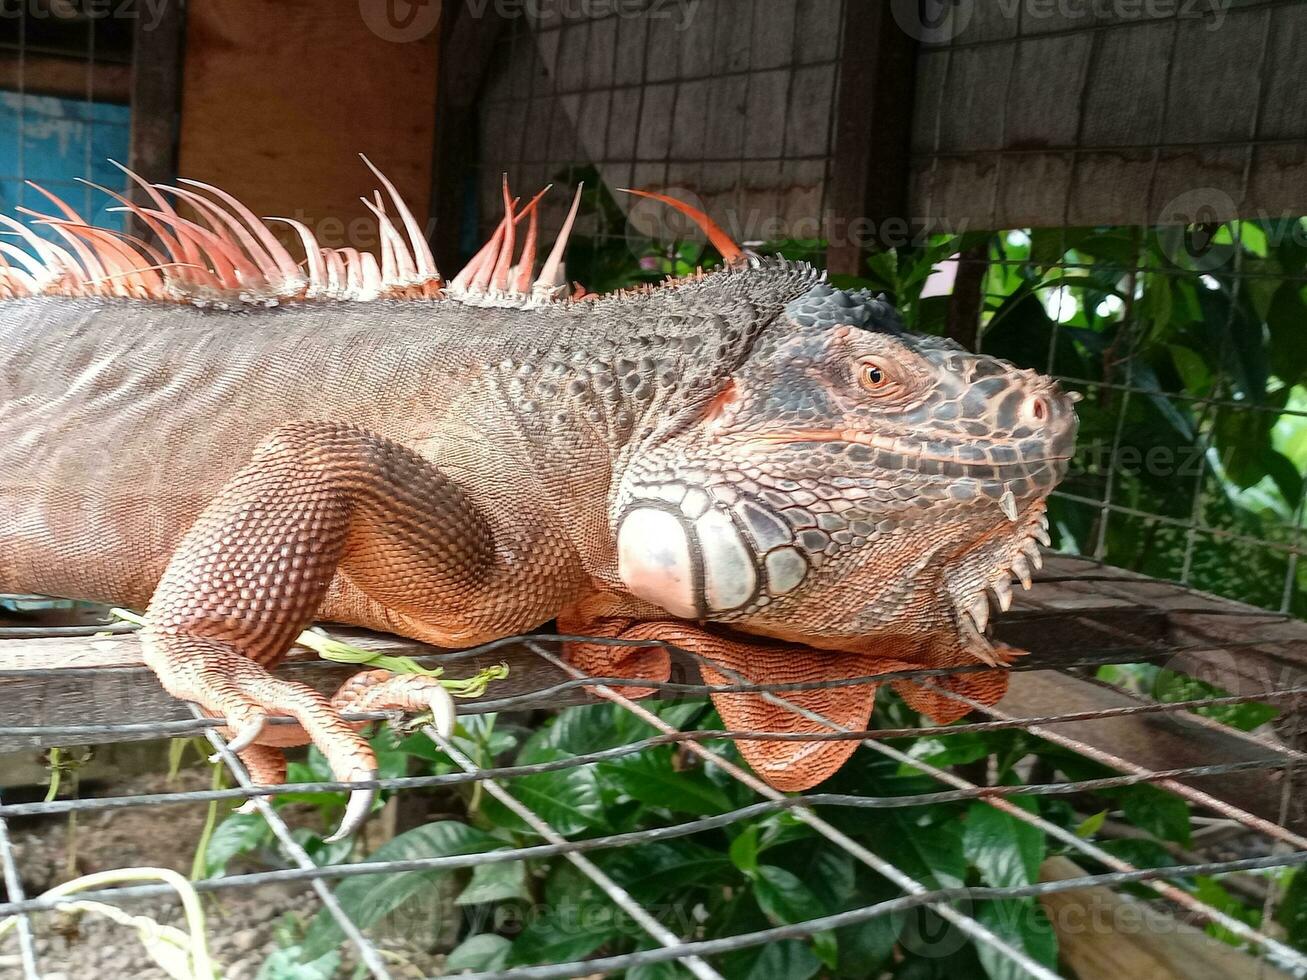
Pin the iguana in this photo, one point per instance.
(749, 464)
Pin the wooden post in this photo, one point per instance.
(467, 43)
(156, 101)
(968, 299)
(869, 173)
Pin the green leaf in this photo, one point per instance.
(786, 960)
(1212, 892)
(931, 853)
(482, 952)
(831, 875)
(1244, 440)
(1191, 367)
(571, 932)
(1157, 811)
(1141, 853)
(574, 919)
(392, 760)
(785, 899)
(1156, 304)
(662, 868)
(568, 799)
(952, 750)
(494, 883)
(678, 714)
(368, 898)
(239, 833)
(337, 852)
(744, 850)
(1047, 245)
(1091, 825)
(1023, 924)
(288, 964)
(1292, 913)
(584, 729)
(1006, 851)
(649, 777)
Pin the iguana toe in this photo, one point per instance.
(380, 690)
(246, 735)
(358, 808)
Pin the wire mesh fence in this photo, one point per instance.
(956, 905)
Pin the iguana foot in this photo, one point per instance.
(370, 690)
(380, 690)
(227, 685)
(787, 765)
(727, 661)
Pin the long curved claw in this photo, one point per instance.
(358, 808)
(246, 808)
(443, 712)
(245, 735)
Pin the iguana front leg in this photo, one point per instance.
(316, 500)
(790, 765)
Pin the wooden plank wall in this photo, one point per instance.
(280, 98)
(1063, 112)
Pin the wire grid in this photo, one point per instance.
(730, 112)
(562, 103)
(694, 953)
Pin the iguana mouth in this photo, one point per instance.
(999, 460)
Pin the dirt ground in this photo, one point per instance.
(240, 923)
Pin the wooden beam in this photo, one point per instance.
(869, 187)
(65, 77)
(1169, 740)
(967, 301)
(103, 681)
(1103, 935)
(280, 98)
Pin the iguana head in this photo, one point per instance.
(848, 479)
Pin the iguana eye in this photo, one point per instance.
(874, 377)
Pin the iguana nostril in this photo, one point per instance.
(1037, 409)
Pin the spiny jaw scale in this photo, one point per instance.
(974, 607)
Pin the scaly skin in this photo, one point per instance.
(752, 466)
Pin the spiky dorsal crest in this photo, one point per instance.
(225, 256)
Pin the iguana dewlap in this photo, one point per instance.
(751, 464)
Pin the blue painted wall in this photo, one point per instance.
(53, 141)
